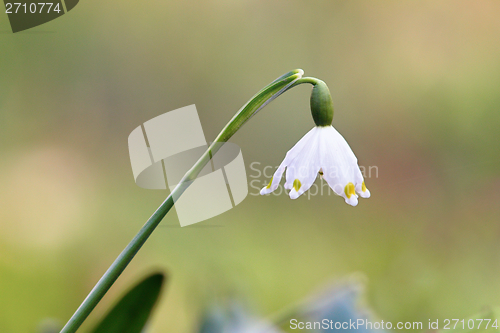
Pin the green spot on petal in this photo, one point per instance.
(349, 190)
(296, 185)
(270, 182)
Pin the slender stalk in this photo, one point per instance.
(256, 103)
(312, 80)
(118, 266)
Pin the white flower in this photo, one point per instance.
(325, 152)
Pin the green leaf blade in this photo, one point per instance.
(133, 310)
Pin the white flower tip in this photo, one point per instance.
(353, 200)
(269, 188)
(350, 195)
(265, 191)
(366, 194)
(294, 194)
(363, 191)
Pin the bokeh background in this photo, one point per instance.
(416, 93)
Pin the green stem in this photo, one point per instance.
(312, 80)
(261, 99)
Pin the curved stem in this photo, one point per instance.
(256, 103)
(312, 80)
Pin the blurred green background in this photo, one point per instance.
(416, 89)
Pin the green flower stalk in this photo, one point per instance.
(322, 112)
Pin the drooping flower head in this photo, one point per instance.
(321, 152)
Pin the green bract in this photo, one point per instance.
(321, 104)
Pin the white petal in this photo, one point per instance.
(339, 163)
(275, 181)
(359, 190)
(302, 148)
(304, 168)
(290, 156)
(366, 194)
(265, 190)
(353, 200)
(306, 180)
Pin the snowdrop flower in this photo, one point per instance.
(322, 151)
